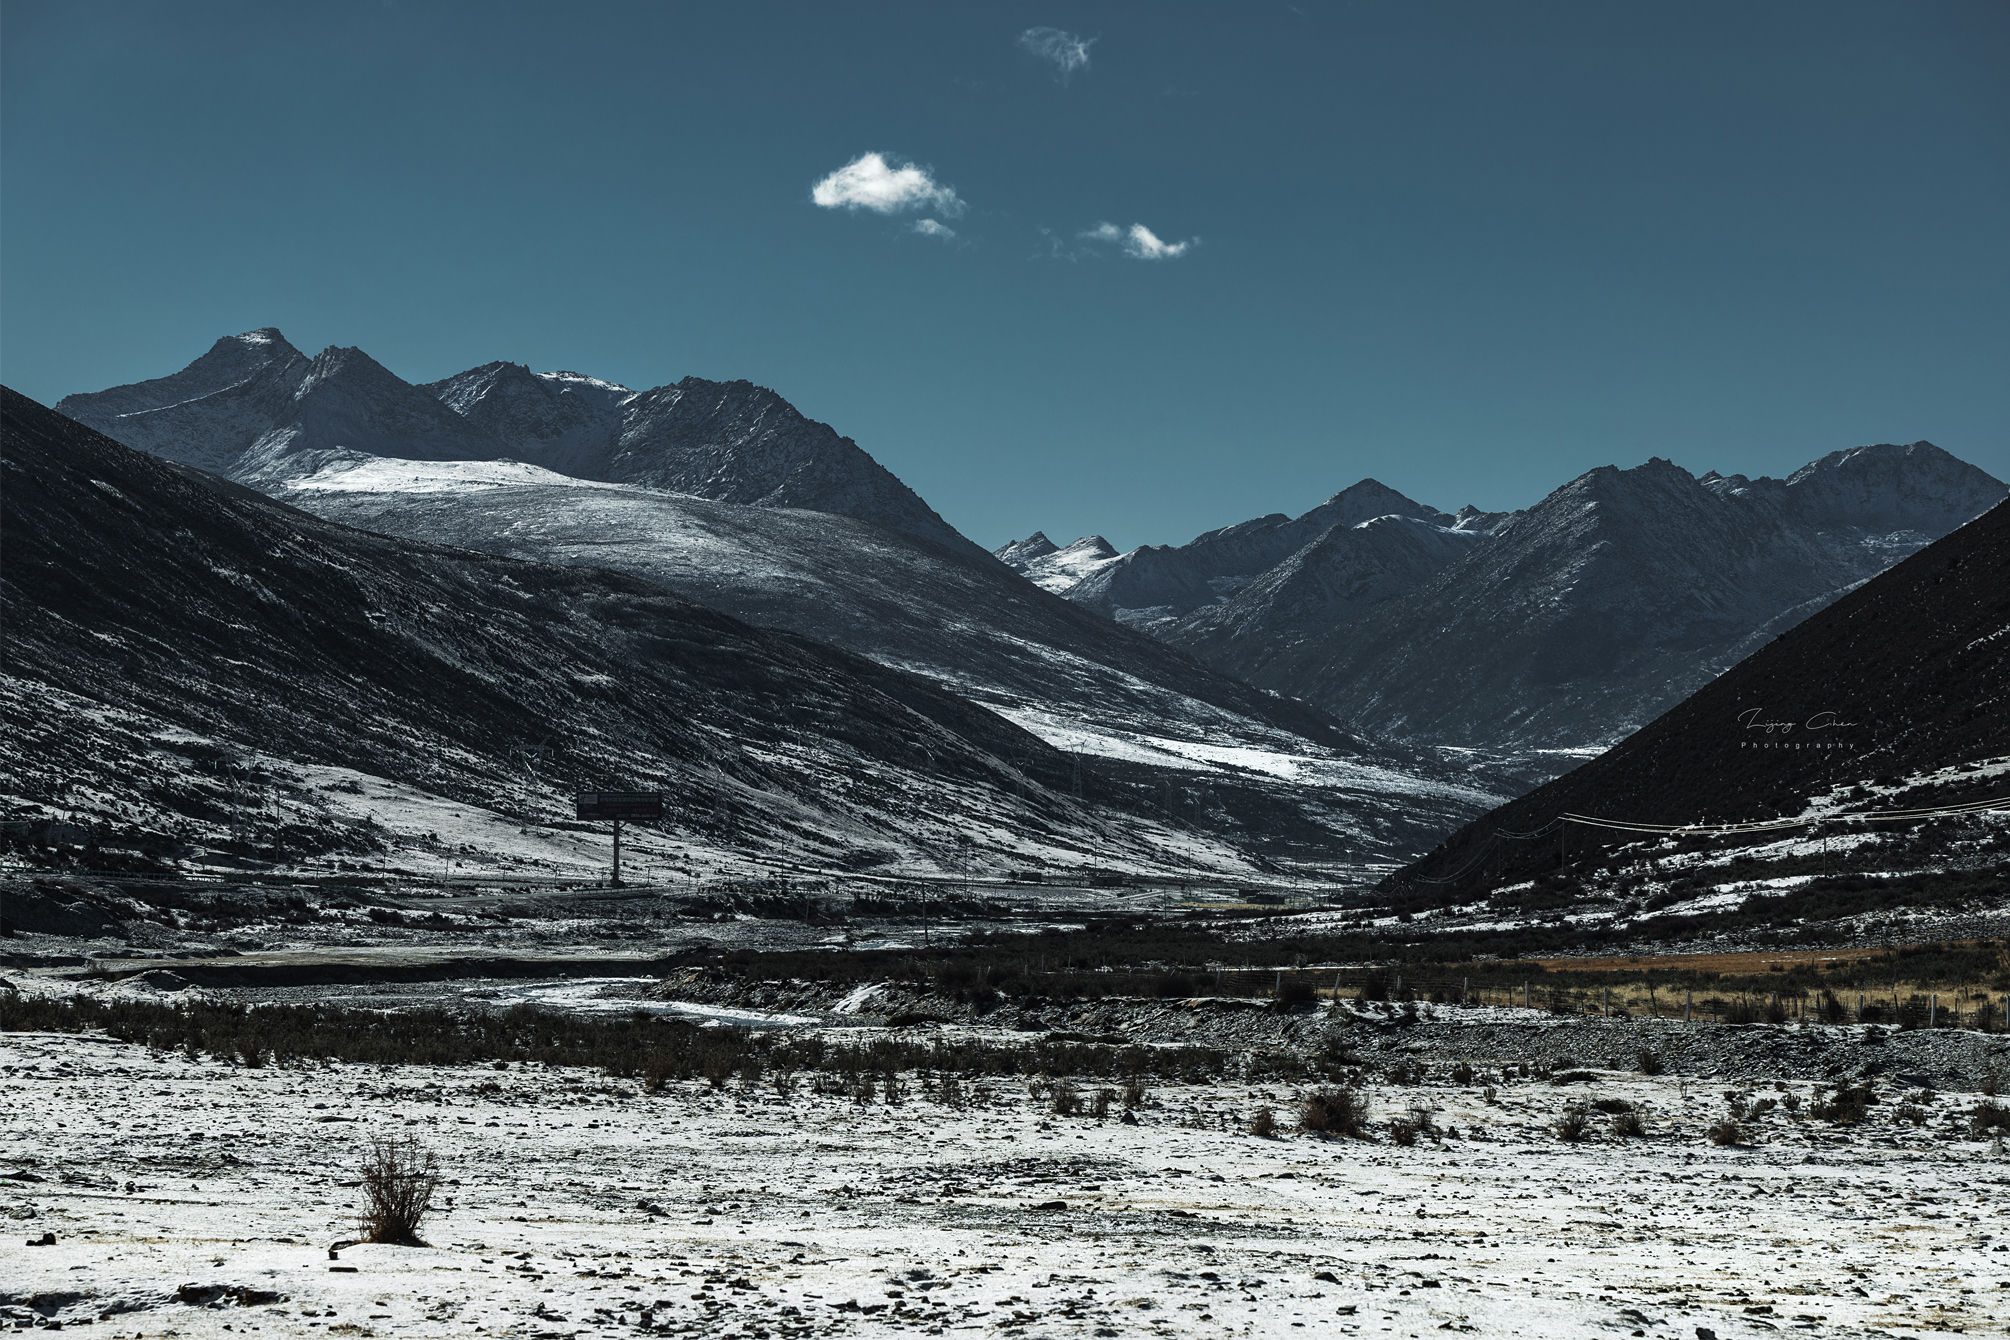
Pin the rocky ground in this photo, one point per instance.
(188, 1197)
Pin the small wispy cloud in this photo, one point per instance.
(872, 181)
(1066, 52)
(934, 228)
(1139, 242)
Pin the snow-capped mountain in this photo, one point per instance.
(1613, 598)
(256, 410)
(1153, 584)
(197, 670)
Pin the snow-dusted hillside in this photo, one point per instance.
(1145, 715)
(197, 672)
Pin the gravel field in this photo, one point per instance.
(191, 1198)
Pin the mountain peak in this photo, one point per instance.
(1018, 553)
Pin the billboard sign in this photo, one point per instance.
(630, 805)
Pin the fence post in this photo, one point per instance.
(1465, 990)
(1932, 1008)
(1524, 995)
(1688, 1003)
(1605, 1000)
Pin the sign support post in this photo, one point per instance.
(616, 806)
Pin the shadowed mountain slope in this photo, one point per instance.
(1883, 700)
(1615, 596)
(171, 635)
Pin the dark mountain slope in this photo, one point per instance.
(1617, 594)
(1905, 676)
(1335, 579)
(169, 635)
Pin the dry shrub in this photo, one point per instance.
(1727, 1132)
(1335, 1112)
(1846, 1108)
(399, 1179)
(1134, 1092)
(1988, 1118)
(1264, 1123)
(1630, 1124)
(1067, 1098)
(1099, 1106)
(1573, 1124)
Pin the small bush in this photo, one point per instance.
(1134, 1092)
(1630, 1124)
(1988, 1118)
(1846, 1107)
(949, 1091)
(1613, 1106)
(1099, 1106)
(1067, 1099)
(1913, 1113)
(399, 1179)
(1335, 1112)
(1650, 1061)
(1263, 1123)
(1462, 1073)
(1573, 1124)
(1727, 1132)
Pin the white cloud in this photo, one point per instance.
(871, 182)
(1139, 242)
(1066, 52)
(934, 228)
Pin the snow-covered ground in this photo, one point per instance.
(581, 1206)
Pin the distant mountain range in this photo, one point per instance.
(1557, 628)
(723, 493)
(1895, 697)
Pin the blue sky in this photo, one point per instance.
(1470, 250)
